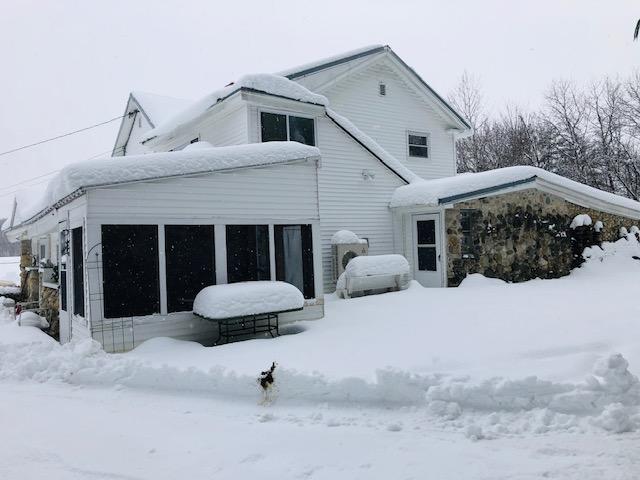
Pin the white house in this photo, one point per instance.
(357, 142)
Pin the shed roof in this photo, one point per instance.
(73, 179)
(450, 190)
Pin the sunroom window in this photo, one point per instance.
(418, 144)
(278, 127)
(248, 253)
(130, 270)
(294, 257)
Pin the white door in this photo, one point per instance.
(427, 258)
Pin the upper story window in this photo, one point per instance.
(276, 127)
(418, 144)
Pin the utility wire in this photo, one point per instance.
(62, 136)
(41, 176)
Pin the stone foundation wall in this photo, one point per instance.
(520, 236)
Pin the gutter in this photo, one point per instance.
(78, 192)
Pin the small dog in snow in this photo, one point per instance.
(267, 381)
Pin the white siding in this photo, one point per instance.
(347, 200)
(138, 131)
(387, 119)
(275, 194)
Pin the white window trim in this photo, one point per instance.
(420, 134)
(287, 114)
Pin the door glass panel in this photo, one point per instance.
(247, 253)
(427, 259)
(426, 232)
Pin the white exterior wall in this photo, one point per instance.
(228, 126)
(268, 195)
(387, 119)
(139, 128)
(347, 200)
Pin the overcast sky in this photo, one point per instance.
(68, 64)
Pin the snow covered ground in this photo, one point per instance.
(9, 271)
(533, 380)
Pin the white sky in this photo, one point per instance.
(68, 64)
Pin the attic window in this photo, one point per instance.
(418, 144)
(382, 89)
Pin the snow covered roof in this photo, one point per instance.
(76, 177)
(328, 62)
(351, 55)
(159, 108)
(263, 83)
(458, 188)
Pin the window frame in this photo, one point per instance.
(464, 247)
(414, 133)
(287, 114)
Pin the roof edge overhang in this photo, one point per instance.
(568, 194)
(82, 190)
(333, 63)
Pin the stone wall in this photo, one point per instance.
(520, 236)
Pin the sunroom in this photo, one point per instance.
(140, 236)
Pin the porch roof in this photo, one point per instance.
(450, 190)
(196, 159)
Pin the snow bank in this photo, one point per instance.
(31, 319)
(9, 290)
(247, 298)
(363, 266)
(476, 280)
(264, 82)
(343, 237)
(133, 168)
(432, 192)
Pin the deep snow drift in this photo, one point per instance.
(486, 359)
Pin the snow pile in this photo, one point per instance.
(364, 266)
(200, 145)
(390, 161)
(264, 82)
(247, 298)
(582, 220)
(344, 237)
(9, 271)
(31, 319)
(9, 290)
(150, 166)
(477, 280)
(433, 192)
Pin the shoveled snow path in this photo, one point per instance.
(61, 432)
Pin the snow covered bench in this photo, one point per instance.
(247, 308)
(371, 273)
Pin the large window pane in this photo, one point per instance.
(130, 270)
(247, 253)
(426, 232)
(427, 258)
(294, 257)
(190, 260)
(273, 127)
(301, 130)
(78, 271)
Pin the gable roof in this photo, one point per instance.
(154, 108)
(450, 190)
(330, 62)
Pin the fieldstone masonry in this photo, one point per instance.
(522, 235)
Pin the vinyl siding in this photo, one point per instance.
(347, 200)
(274, 194)
(387, 119)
